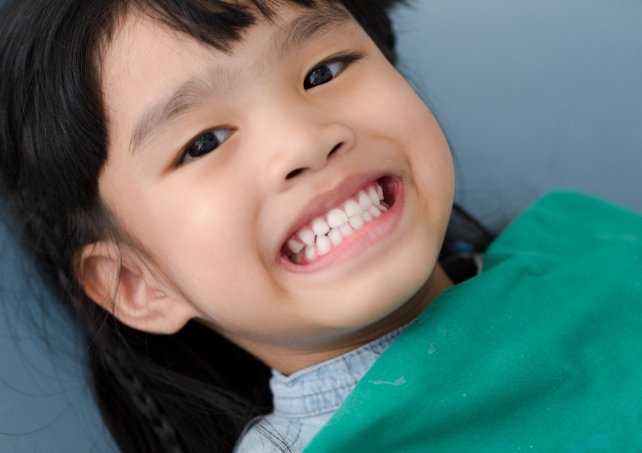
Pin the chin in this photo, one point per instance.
(385, 293)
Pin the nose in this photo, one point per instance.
(300, 140)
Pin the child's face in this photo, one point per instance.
(295, 142)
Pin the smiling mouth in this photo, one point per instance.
(329, 230)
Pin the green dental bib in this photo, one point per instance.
(540, 352)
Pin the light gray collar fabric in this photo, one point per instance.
(307, 399)
(323, 388)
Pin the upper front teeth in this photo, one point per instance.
(320, 227)
(352, 208)
(329, 230)
(337, 217)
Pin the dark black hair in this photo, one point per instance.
(156, 393)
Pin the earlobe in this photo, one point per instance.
(118, 282)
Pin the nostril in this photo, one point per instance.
(334, 150)
(294, 173)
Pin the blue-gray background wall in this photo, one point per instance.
(45, 400)
(533, 95)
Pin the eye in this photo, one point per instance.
(204, 143)
(328, 70)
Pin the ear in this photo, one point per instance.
(116, 279)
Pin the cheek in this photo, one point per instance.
(200, 230)
(392, 110)
(209, 237)
(386, 105)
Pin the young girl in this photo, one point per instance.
(223, 188)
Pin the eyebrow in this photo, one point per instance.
(187, 96)
(191, 93)
(322, 20)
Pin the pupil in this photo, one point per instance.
(320, 76)
(204, 144)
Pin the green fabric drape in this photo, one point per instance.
(540, 352)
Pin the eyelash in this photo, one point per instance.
(221, 134)
(344, 60)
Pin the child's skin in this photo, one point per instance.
(209, 232)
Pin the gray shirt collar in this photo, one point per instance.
(324, 387)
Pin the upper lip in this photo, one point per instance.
(323, 202)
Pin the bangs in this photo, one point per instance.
(219, 24)
(222, 23)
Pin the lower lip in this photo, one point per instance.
(361, 240)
